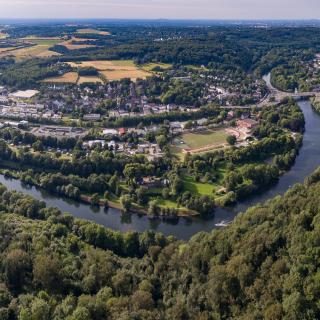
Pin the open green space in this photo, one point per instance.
(151, 66)
(200, 139)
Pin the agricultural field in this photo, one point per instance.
(197, 142)
(7, 49)
(104, 65)
(114, 69)
(38, 50)
(89, 79)
(69, 77)
(113, 75)
(93, 31)
(77, 43)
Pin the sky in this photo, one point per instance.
(161, 9)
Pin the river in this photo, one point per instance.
(184, 228)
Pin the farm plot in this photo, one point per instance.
(69, 77)
(114, 69)
(93, 31)
(89, 79)
(77, 43)
(39, 50)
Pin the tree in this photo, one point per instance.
(95, 199)
(47, 272)
(125, 202)
(231, 140)
(38, 146)
(153, 208)
(17, 264)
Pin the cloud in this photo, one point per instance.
(189, 9)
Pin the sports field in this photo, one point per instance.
(200, 139)
(69, 77)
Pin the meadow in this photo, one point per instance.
(149, 67)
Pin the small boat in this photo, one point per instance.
(222, 224)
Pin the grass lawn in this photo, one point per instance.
(199, 188)
(203, 138)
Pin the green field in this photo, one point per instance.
(201, 139)
(150, 66)
(199, 188)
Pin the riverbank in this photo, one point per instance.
(306, 162)
(103, 203)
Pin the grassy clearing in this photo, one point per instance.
(69, 77)
(149, 67)
(199, 188)
(42, 41)
(91, 79)
(93, 31)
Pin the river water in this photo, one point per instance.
(184, 228)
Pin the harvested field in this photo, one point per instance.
(93, 31)
(30, 52)
(89, 80)
(113, 75)
(103, 65)
(69, 77)
(114, 69)
(7, 49)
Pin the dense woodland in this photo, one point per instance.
(264, 266)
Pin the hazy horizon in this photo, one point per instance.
(161, 9)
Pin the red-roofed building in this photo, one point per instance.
(122, 131)
(247, 123)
